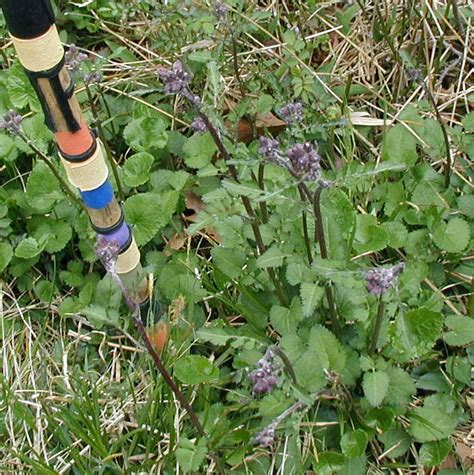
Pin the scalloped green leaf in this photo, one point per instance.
(29, 248)
(311, 294)
(6, 254)
(136, 170)
(199, 150)
(375, 385)
(195, 369)
(430, 424)
(58, 234)
(42, 189)
(149, 212)
(461, 330)
(452, 236)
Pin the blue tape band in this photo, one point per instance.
(100, 197)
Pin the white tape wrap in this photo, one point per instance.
(89, 174)
(42, 53)
(129, 259)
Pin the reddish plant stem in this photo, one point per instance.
(167, 377)
(261, 184)
(245, 200)
(324, 255)
(377, 327)
(305, 229)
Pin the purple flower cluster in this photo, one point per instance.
(292, 112)
(269, 148)
(266, 437)
(198, 125)
(414, 74)
(305, 161)
(221, 10)
(175, 79)
(11, 122)
(93, 78)
(379, 280)
(301, 159)
(74, 58)
(264, 378)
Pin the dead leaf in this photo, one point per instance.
(212, 234)
(194, 202)
(203, 44)
(263, 123)
(466, 454)
(269, 121)
(449, 462)
(176, 243)
(365, 119)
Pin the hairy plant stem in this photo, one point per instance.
(307, 242)
(245, 200)
(377, 327)
(286, 361)
(324, 255)
(235, 61)
(261, 184)
(395, 52)
(447, 167)
(46, 160)
(167, 377)
(470, 302)
(108, 152)
(304, 188)
(107, 108)
(457, 16)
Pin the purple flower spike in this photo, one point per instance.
(74, 58)
(292, 112)
(93, 78)
(269, 148)
(175, 79)
(305, 161)
(11, 122)
(264, 378)
(198, 125)
(379, 280)
(266, 437)
(221, 10)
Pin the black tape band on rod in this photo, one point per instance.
(113, 228)
(150, 313)
(127, 245)
(61, 95)
(27, 19)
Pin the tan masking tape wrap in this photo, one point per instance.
(129, 259)
(89, 174)
(42, 53)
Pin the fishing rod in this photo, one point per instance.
(34, 34)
